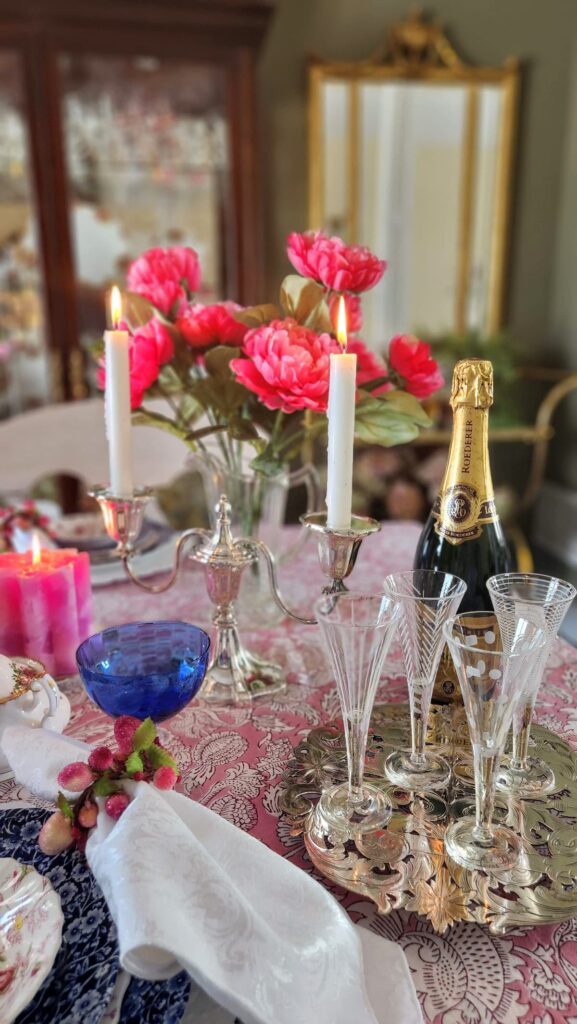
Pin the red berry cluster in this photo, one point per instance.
(139, 757)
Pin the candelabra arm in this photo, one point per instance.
(260, 549)
(159, 588)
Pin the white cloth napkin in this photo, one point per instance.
(189, 890)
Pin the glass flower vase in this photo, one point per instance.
(258, 508)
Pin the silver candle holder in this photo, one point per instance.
(234, 673)
(338, 547)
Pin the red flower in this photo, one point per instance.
(369, 366)
(412, 360)
(286, 365)
(353, 310)
(340, 267)
(166, 277)
(205, 326)
(150, 347)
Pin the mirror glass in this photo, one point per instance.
(412, 169)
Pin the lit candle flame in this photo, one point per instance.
(36, 549)
(342, 324)
(115, 307)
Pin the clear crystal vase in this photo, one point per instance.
(258, 508)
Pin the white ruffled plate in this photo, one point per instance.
(31, 922)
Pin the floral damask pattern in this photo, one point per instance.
(232, 759)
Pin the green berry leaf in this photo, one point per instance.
(144, 736)
(133, 763)
(64, 806)
(104, 786)
(159, 757)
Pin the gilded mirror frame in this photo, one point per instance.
(417, 50)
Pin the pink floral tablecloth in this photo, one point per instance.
(232, 760)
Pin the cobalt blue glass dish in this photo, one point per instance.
(145, 669)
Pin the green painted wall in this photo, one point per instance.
(540, 32)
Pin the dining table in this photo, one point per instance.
(232, 759)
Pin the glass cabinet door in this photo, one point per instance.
(147, 154)
(25, 366)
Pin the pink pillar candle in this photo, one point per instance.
(45, 606)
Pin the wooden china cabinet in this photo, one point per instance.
(124, 124)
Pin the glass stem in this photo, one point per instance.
(521, 738)
(486, 766)
(356, 738)
(419, 716)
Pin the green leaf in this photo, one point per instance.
(136, 310)
(267, 463)
(145, 418)
(407, 404)
(63, 805)
(134, 763)
(104, 786)
(220, 391)
(256, 316)
(143, 737)
(389, 419)
(189, 409)
(158, 757)
(304, 300)
(242, 429)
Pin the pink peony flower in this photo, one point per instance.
(205, 326)
(286, 365)
(353, 310)
(412, 360)
(124, 729)
(150, 347)
(116, 805)
(165, 777)
(55, 834)
(100, 759)
(369, 366)
(340, 267)
(166, 277)
(75, 777)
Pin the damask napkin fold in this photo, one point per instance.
(187, 889)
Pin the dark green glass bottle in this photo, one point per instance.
(463, 534)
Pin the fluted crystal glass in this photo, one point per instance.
(357, 629)
(425, 599)
(492, 669)
(544, 601)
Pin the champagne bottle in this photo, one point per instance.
(463, 534)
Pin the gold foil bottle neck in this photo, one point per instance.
(472, 384)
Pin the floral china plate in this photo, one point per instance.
(31, 922)
(81, 984)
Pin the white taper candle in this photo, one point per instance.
(117, 399)
(341, 415)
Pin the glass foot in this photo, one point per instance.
(433, 773)
(465, 849)
(464, 807)
(336, 812)
(423, 806)
(464, 773)
(534, 780)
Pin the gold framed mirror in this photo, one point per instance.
(411, 153)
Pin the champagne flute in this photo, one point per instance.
(544, 601)
(357, 629)
(426, 599)
(492, 669)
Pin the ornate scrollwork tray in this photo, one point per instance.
(404, 866)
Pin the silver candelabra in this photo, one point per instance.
(234, 673)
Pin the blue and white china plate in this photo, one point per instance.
(31, 922)
(80, 985)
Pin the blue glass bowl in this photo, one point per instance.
(145, 669)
